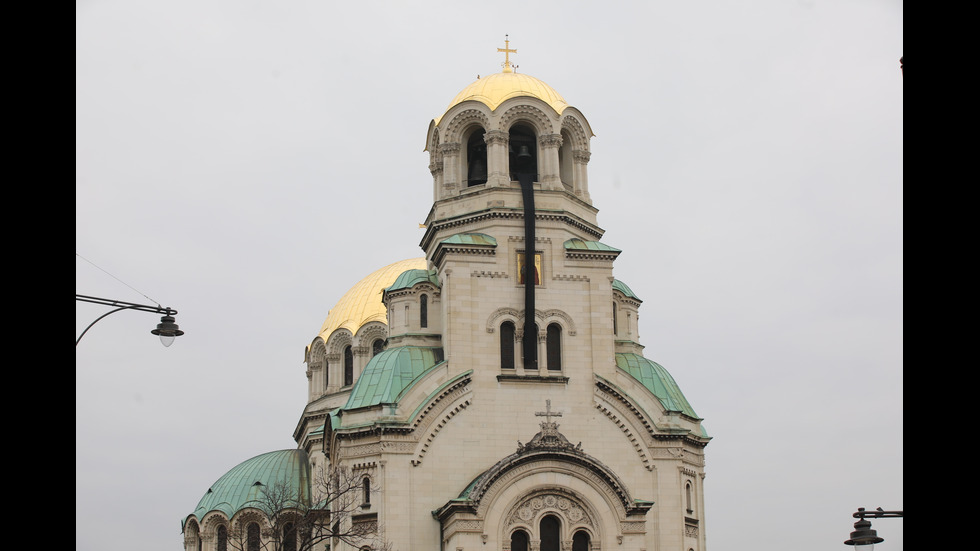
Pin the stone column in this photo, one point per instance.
(435, 168)
(450, 174)
(548, 164)
(337, 378)
(580, 158)
(498, 161)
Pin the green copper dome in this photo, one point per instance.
(390, 373)
(242, 486)
(657, 380)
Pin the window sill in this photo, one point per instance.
(550, 379)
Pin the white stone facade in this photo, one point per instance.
(462, 459)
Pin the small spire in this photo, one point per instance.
(508, 68)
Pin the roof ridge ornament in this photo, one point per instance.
(507, 65)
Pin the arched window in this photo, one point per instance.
(550, 533)
(690, 509)
(580, 541)
(222, 543)
(507, 345)
(348, 366)
(326, 374)
(289, 537)
(554, 347)
(476, 158)
(365, 491)
(615, 321)
(519, 541)
(377, 346)
(424, 311)
(252, 537)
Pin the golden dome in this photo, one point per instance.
(362, 303)
(499, 87)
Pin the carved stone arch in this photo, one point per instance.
(572, 510)
(433, 143)
(462, 121)
(369, 333)
(536, 117)
(501, 315)
(212, 521)
(558, 316)
(239, 523)
(573, 127)
(317, 352)
(339, 339)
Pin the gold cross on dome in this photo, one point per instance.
(507, 51)
(547, 413)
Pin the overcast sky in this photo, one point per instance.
(247, 162)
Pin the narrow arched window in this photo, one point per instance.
(348, 366)
(554, 347)
(289, 537)
(365, 491)
(519, 541)
(252, 537)
(550, 533)
(580, 541)
(326, 374)
(615, 321)
(424, 311)
(507, 345)
(690, 509)
(222, 543)
(377, 346)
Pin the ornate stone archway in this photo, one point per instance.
(546, 476)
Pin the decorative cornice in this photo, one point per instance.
(489, 215)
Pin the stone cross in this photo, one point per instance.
(547, 414)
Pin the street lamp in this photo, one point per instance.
(167, 330)
(863, 536)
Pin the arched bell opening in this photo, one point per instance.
(523, 153)
(566, 169)
(476, 158)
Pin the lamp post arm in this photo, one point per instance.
(122, 305)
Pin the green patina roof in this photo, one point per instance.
(410, 278)
(623, 288)
(582, 245)
(390, 373)
(657, 380)
(470, 239)
(242, 486)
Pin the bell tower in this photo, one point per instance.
(509, 160)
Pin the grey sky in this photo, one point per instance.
(248, 162)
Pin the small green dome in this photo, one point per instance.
(411, 278)
(242, 486)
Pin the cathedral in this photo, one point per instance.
(491, 395)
